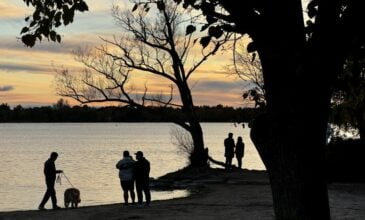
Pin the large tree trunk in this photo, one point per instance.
(295, 163)
(199, 156)
(290, 137)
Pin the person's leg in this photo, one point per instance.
(239, 160)
(125, 195)
(45, 199)
(147, 192)
(133, 196)
(229, 163)
(125, 188)
(54, 199)
(139, 192)
(49, 193)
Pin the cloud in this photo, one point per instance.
(23, 67)
(218, 85)
(6, 88)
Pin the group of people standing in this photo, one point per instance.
(130, 172)
(135, 172)
(232, 149)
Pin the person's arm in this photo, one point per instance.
(117, 165)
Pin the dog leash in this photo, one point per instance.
(59, 179)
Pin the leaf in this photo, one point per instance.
(29, 40)
(58, 38)
(135, 7)
(27, 18)
(211, 20)
(32, 23)
(190, 29)
(251, 47)
(204, 27)
(24, 30)
(82, 6)
(36, 15)
(311, 8)
(57, 16)
(215, 31)
(52, 35)
(204, 41)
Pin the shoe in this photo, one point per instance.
(41, 208)
(56, 208)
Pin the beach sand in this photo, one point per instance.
(216, 194)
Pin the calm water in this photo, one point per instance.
(88, 153)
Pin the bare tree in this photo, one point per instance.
(247, 66)
(155, 44)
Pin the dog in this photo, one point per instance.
(72, 196)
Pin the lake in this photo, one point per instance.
(88, 153)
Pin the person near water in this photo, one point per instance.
(126, 176)
(142, 178)
(240, 151)
(229, 150)
(50, 176)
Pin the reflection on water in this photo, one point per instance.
(88, 153)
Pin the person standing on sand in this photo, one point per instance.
(240, 150)
(126, 176)
(50, 175)
(229, 150)
(142, 177)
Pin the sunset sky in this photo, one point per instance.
(27, 74)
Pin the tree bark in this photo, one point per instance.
(295, 165)
(290, 137)
(199, 156)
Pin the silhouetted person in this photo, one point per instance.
(50, 175)
(229, 150)
(142, 177)
(126, 176)
(240, 150)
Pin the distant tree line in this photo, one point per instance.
(66, 113)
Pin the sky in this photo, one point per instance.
(27, 74)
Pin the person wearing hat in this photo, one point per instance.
(142, 178)
(126, 176)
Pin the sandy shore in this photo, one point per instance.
(217, 194)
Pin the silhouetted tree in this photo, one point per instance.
(300, 63)
(248, 68)
(156, 44)
(5, 112)
(348, 100)
(47, 16)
